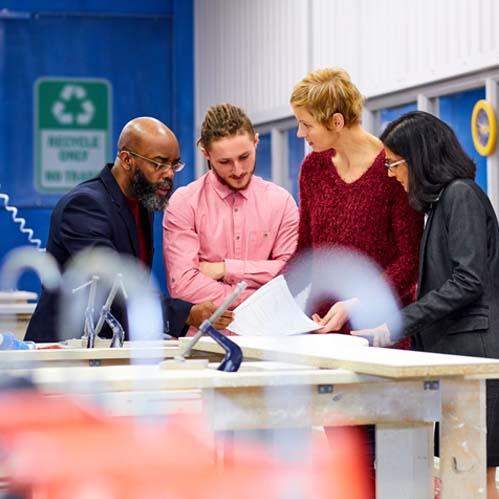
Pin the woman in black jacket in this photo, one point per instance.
(457, 307)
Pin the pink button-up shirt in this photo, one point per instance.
(253, 231)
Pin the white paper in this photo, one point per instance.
(272, 311)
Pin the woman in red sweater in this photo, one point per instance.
(346, 197)
(348, 201)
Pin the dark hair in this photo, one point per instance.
(433, 154)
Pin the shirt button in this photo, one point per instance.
(238, 237)
(236, 210)
(266, 235)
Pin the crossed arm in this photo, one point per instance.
(191, 279)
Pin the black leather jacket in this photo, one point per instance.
(458, 287)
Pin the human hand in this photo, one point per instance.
(213, 270)
(336, 317)
(203, 311)
(380, 335)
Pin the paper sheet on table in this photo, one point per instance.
(272, 311)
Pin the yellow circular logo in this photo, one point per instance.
(483, 127)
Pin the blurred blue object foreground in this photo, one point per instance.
(8, 341)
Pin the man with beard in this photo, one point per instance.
(229, 225)
(114, 210)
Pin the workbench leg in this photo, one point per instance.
(462, 439)
(404, 461)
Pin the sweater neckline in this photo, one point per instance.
(366, 174)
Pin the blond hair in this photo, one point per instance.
(327, 91)
(224, 120)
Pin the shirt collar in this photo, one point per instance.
(224, 191)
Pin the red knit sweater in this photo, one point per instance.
(371, 215)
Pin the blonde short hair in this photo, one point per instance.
(327, 91)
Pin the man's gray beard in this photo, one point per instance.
(144, 192)
(152, 202)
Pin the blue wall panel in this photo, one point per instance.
(296, 154)
(12, 237)
(79, 47)
(183, 86)
(144, 48)
(264, 157)
(392, 113)
(116, 6)
(455, 110)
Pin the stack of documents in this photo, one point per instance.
(271, 311)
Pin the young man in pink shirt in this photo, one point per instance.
(229, 225)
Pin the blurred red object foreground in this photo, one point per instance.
(55, 448)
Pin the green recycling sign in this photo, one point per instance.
(72, 131)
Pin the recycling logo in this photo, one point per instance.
(73, 106)
(72, 130)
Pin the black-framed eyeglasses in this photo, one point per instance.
(391, 165)
(160, 166)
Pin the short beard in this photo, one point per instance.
(145, 192)
(224, 182)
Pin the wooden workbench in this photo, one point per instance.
(72, 354)
(316, 380)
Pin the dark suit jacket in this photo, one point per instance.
(457, 310)
(95, 213)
